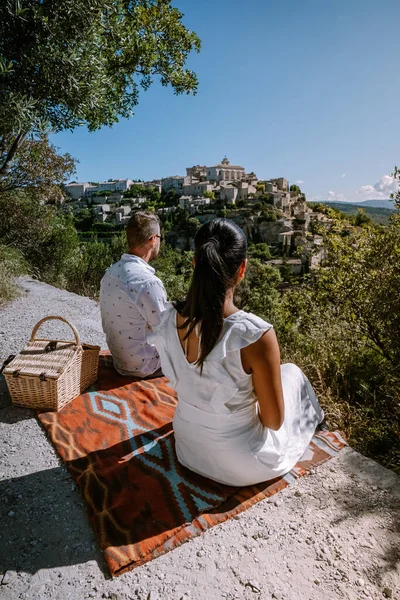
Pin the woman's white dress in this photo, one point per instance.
(218, 432)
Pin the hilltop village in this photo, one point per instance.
(269, 211)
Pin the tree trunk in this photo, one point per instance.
(12, 152)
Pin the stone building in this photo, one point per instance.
(192, 204)
(229, 194)
(112, 198)
(117, 185)
(175, 182)
(270, 188)
(196, 173)
(122, 214)
(225, 172)
(282, 201)
(197, 188)
(281, 183)
(79, 190)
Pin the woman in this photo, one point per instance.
(241, 417)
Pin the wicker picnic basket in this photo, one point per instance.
(47, 374)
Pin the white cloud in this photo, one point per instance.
(381, 189)
(344, 175)
(335, 197)
(299, 182)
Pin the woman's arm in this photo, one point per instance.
(262, 359)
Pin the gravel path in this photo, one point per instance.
(334, 534)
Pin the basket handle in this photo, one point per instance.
(53, 318)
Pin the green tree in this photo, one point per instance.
(139, 191)
(192, 225)
(45, 237)
(361, 218)
(69, 63)
(258, 292)
(343, 329)
(362, 278)
(104, 193)
(153, 195)
(175, 270)
(266, 199)
(396, 196)
(260, 251)
(286, 272)
(12, 264)
(268, 214)
(210, 195)
(84, 220)
(170, 197)
(295, 188)
(37, 167)
(85, 267)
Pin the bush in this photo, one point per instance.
(12, 264)
(266, 199)
(267, 217)
(343, 330)
(45, 237)
(260, 251)
(175, 271)
(105, 227)
(86, 267)
(258, 292)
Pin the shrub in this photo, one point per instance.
(86, 267)
(44, 236)
(12, 264)
(267, 217)
(343, 330)
(257, 292)
(260, 251)
(175, 270)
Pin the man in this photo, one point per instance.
(132, 300)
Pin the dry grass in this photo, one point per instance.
(12, 264)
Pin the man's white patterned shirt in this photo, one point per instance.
(132, 300)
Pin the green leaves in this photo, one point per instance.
(396, 196)
(343, 328)
(37, 167)
(67, 63)
(258, 293)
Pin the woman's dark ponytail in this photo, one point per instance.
(220, 248)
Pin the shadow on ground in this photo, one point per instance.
(44, 524)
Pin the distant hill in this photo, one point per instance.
(363, 203)
(376, 203)
(379, 214)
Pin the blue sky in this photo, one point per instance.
(307, 90)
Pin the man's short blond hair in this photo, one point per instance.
(141, 226)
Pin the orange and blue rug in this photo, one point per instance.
(118, 444)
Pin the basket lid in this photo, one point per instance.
(43, 357)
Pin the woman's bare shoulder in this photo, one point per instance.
(262, 352)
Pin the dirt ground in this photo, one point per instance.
(333, 534)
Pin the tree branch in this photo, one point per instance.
(12, 152)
